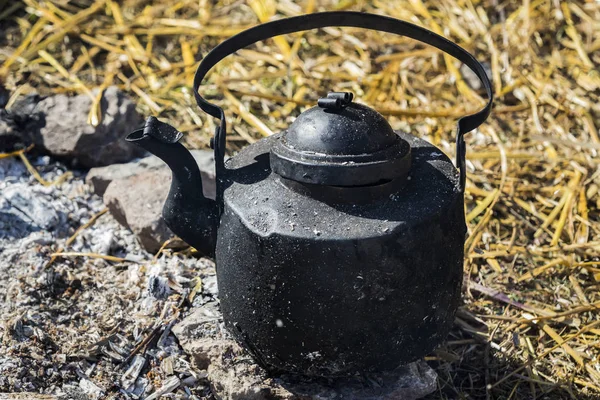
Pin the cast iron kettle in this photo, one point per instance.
(338, 242)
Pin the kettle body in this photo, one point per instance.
(338, 242)
(326, 288)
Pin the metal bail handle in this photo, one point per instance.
(339, 18)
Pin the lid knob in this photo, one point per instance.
(335, 100)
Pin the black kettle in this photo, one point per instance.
(338, 242)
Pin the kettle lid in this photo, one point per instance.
(341, 143)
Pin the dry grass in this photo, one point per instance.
(529, 327)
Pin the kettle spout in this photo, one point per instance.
(190, 215)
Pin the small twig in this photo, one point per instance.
(142, 344)
(94, 255)
(164, 245)
(31, 168)
(15, 153)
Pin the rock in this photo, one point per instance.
(99, 178)
(26, 396)
(244, 380)
(234, 375)
(58, 125)
(137, 201)
(194, 335)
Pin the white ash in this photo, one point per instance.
(79, 318)
(91, 389)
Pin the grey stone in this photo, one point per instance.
(99, 178)
(58, 125)
(26, 396)
(136, 202)
(195, 334)
(234, 375)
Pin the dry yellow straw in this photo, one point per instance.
(31, 168)
(93, 255)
